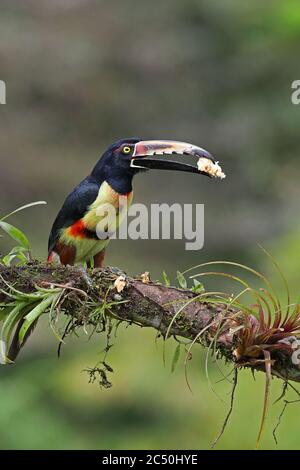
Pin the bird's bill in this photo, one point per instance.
(149, 148)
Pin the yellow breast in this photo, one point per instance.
(108, 202)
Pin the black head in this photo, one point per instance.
(114, 165)
(126, 157)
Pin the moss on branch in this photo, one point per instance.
(87, 296)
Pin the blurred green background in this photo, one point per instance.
(83, 73)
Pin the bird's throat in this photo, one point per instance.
(119, 181)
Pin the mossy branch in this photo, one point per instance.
(169, 310)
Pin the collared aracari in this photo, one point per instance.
(74, 235)
(73, 238)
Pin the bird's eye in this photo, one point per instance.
(126, 150)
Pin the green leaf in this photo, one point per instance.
(181, 280)
(15, 233)
(4, 311)
(9, 323)
(166, 279)
(21, 259)
(7, 260)
(23, 207)
(17, 250)
(175, 358)
(198, 287)
(18, 253)
(35, 313)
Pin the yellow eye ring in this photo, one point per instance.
(126, 149)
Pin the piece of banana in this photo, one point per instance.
(212, 168)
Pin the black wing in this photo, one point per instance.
(74, 208)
